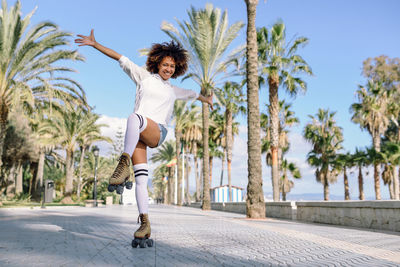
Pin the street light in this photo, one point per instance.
(96, 156)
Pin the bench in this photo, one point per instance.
(89, 203)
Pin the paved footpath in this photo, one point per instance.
(77, 236)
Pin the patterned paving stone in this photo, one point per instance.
(76, 236)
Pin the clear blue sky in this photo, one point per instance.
(342, 34)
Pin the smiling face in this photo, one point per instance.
(166, 68)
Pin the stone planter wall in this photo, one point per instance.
(283, 210)
(236, 207)
(382, 215)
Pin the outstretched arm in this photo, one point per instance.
(91, 41)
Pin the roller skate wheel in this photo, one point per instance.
(128, 185)
(120, 189)
(111, 188)
(134, 243)
(149, 242)
(143, 243)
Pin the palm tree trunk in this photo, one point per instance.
(78, 191)
(197, 177)
(206, 204)
(391, 191)
(178, 136)
(273, 82)
(10, 191)
(280, 157)
(3, 127)
(229, 149)
(165, 194)
(201, 173)
(326, 186)
(255, 205)
(187, 173)
(395, 183)
(33, 166)
(39, 174)
(19, 179)
(360, 183)
(170, 185)
(399, 179)
(211, 158)
(69, 172)
(377, 167)
(346, 185)
(284, 183)
(222, 168)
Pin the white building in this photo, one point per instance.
(128, 197)
(221, 194)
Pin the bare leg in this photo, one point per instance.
(151, 135)
(140, 154)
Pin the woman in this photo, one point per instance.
(147, 126)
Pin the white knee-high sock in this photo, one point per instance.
(142, 195)
(135, 125)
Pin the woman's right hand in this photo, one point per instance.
(89, 40)
(86, 40)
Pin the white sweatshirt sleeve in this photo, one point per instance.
(135, 72)
(184, 94)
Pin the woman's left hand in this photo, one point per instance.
(209, 100)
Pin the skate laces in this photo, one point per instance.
(120, 166)
(143, 220)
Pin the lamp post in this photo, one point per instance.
(96, 156)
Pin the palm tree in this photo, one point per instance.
(206, 37)
(182, 117)
(372, 113)
(192, 136)
(190, 139)
(326, 138)
(165, 154)
(44, 142)
(286, 119)
(285, 185)
(280, 63)
(28, 61)
(231, 97)
(67, 130)
(159, 182)
(255, 205)
(343, 162)
(214, 152)
(217, 138)
(90, 133)
(20, 147)
(360, 160)
(105, 168)
(391, 156)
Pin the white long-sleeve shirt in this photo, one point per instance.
(155, 97)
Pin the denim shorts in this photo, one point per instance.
(163, 134)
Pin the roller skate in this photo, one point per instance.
(119, 179)
(142, 235)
